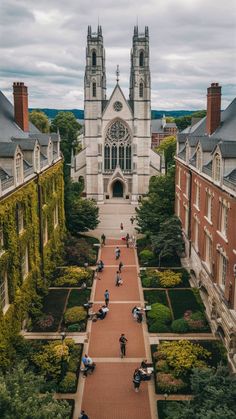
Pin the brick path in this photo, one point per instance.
(109, 392)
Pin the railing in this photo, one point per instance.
(7, 183)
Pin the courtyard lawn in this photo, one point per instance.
(154, 296)
(53, 307)
(78, 297)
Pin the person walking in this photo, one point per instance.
(121, 226)
(117, 252)
(107, 297)
(127, 240)
(132, 219)
(120, 266)
(103, 239)
(83, 415)
(118, 278)
(123, 340)
(137, 380)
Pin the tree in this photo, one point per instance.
(214, 394)
(184, 121)
(83, 215)
(167, 147)
(20, 397)
(169, 242)
(40, 120)
(158, 206)
(68, 127)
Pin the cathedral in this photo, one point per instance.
(116, 160)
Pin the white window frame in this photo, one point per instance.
(19, 168)
(196, 234)
(4, 293)
(222, 273)
(197, 196)
(208, 206)
(217, 168)
(224, 219)
(208, 252)
(187, 185)
(186, 219)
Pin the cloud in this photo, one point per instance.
(192, 43)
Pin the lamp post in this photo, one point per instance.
(63, 335)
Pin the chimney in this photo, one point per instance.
(213, 108)
(20, 93)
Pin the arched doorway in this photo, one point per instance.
(117, 189)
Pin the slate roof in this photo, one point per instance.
(43, 139)
(156, 125)
(25, 143)
(7, 149)
(228, 149)
(231, 176)
(3, 174)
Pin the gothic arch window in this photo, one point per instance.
(94, 89)
(19, 168)
(199, 159)
(217, 168)
(141, 89)
(117, 149)
(141, 59)
(37, 159)
(94, 58)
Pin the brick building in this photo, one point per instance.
(161, 129)
(206, 206)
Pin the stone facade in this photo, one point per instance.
(116, 160)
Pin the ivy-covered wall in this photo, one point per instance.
(24, 294)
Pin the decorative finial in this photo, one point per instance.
(117, 73)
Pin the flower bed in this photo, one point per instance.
(72, 276)
(57, 361)
(174, 362)
(52, 311)
(165, 278)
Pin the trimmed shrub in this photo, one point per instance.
(159, 312)
(158, 326)
(74, 327)
(180, 326)
(75, 315)
(169, 279)
(73, 276)
(146, 256)
(146, 282)
(68, 384)
(168, 382)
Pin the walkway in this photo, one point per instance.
(109, 392)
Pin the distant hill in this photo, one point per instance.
(79, 114)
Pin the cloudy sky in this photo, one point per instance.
(192, 43)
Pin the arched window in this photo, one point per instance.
(94, 89)
(141, 59)
(19, 168)
(141, 89)
(37, 159)
(94, 58)
(217, 168)
(117, 148)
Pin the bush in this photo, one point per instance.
(196, 321)
(48, 360)
(168, 278)
(75, 315)
(158, 327)
(180, 326)
(146, 256)
(146, 282)
(74, 327)
(68, 384)
(45, 321)
(74, 276)
(159, 312)
(162, 365)
(168, 382)
(79, 250)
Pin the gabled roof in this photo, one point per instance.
(3, 174)
(25, 143)
(43, 139)
(227, 149)
(7, 149)
(117, 87)
(227, 129)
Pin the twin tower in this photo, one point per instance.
(116, 161)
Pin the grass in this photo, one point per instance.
(53, 304)
(78, 298)
(156, 297)
(182, 301)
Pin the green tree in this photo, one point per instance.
(83, 215)
(40, 120)
(20, 397)
(168, 149)
(168, 243)
(214, 394)
(158, 206)
(184, 121)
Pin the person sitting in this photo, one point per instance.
(102, 312)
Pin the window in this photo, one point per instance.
(37, 159)
(208, 205)
(187, 185)
(141, 59)
(223, 264)
(20, 218)
(55, 215)
(1, 241)
(19, 169)
(208, 251)
(94, 58)
(45, 230)
(25, 263)
(217, 168)
(113, 157)
(141, 89)
(107, 157)
(179, 178)
(117, 148)
(197, 195)
(94, 89)
(196, 234)
(122, 157)
(199, 159)
(186, 219)
(128, 158)
(4, 292)
(224, 219)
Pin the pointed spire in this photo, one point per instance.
(117, 73)
(89, 31)
(146, 32)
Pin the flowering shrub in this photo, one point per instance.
(68, 384)
(162, 365)
(168, 278)
(45, 321)
(49, 359)
(75, 315)
(168, 382)
(196, 321)
(73, 276)
(182, 355)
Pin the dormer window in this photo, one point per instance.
(37, 159)
(19, 168)
(199, 159)
(217, 168)
(94, 59)
(141, 59)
